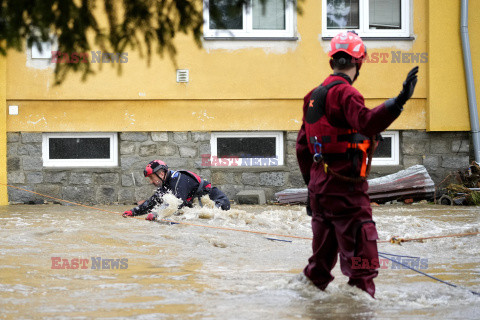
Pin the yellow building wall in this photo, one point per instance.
(234, 85)
(447, 94)
(3, 133)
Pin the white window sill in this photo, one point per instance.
(250, 38)
(366, 38)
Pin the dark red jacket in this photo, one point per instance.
(344, 107)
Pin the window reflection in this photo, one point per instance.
(343, 14)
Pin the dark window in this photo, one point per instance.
(79, 148)
(246, 147)
(343, 14)
(384, 149)
(226, 15)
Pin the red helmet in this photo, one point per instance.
(154, 166)
(348, 42)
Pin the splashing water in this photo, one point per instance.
(168, 207)
(181, 271)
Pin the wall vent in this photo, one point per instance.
(182, 75)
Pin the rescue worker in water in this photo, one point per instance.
(185, 185)
(336, 138)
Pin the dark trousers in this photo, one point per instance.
(220, 198)
(343, 226)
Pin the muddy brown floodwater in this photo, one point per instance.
(135, 269)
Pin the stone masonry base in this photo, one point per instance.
(440, 152)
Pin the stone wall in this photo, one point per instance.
(441, 153)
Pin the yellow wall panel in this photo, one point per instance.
(163, 115)
(224, 69)
(413, 116)
(447, 97)
(236, 81)
(3, 133)
(174, 115)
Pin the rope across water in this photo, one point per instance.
(392, 240)
(381, 254)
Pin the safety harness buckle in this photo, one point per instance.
(317, 148)
(317, 158)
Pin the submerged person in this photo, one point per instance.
(333, 144)
(185, 185)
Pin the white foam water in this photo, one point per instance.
(191, 272)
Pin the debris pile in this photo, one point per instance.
(412, 183)
(467, 189)
(409, 184)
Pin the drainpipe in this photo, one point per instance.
(472, 99)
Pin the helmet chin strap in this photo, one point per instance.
(164, 177)
(357, 73)
(357, 68)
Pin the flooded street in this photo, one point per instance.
(130, 268)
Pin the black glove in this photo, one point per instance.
(408, 88)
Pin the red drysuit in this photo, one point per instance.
(341, 213)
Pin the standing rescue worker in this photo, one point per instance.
(185, 185)
(337, 135)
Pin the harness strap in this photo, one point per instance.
(371, 150)
(352, 137)
(199, 192)
(203, 185)
(318, 97)
(356, 141)
(338, 156)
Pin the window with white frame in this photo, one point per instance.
(80, 149)
(43, 51)
(248, 149)
(249, 19)
(369, 18)
(388, 150)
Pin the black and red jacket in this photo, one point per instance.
(185, 185)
